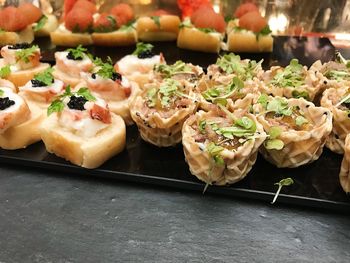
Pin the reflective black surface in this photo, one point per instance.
(316, 184)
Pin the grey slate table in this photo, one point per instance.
(56, 217)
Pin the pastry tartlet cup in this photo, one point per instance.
(237, 163)
(344, 175)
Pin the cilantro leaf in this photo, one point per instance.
(5, 71)
(284, 182)
(45, 76)
(142, 47)
(41, 23)
(26, 53)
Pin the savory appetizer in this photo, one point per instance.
(6, 83)
(18, 122)
(221, 147)
(111, 86)
(158, 27)
(71, 63)
(293, 81)
(42, 89)
(204, 31)
(115, 28)
(297, 130)
(248, 31)
(81, 129)
(78, 20)
(20, 63)
(139, 65)
(337, 100)
(161, 109)
(344, 175)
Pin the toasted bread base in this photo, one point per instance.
(20, 78)
(11, 38)
(69, 39)
(50, 26)
(86, 152)
(68, 80)
(194, 39)
(22, 135)
(116, 38)
(148, 30)
(247, 42)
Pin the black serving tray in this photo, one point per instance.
(315, 185)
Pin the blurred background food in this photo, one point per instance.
(328, 18)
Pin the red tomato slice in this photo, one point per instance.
(160, 12)
(85, 4)
(123, 13)
(68, 6)
(189, 6)
(30, 12)
(12, 20)
(79, 20)
(207, 18)
(252, 21)
(201, 11)
(245, 8)
(105, 23)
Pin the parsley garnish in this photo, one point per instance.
(26, 53)
(106, 70)
(78, 53)
(45, 77)
(156, 20)
(291, 76)
(58, 105)
(5, 71)
(283, 182)
(41, 23)
(142, 47)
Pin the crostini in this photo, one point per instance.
(138, 66)
(248, 31)
(204, 31)
(21, 62)
(81, 129)
(19, 123)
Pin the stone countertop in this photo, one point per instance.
(57, 217)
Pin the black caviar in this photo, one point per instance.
(20, 46)
(72, 57)
(6, 103)
(145, 54)
(37, 83)
(76, 103)
(116, 76)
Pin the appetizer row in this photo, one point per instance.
(223, 117)
(204, 30)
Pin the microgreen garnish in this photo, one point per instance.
(58, 105)
(263, 100)
(232, 64)
(26, 53)
(214, 151)
(168, 71)
(151, 97)
(300, 121)
(219, 94)
(41, 23)
(156, 20)
(201, 126)
(279, 106)
(272, 143)
(284, 182)
(142, 47)
(45, 77)
(337, 75)
(106, 70)
(5, 71)
(244, 127)
(300, 94)
(78, 53)
(290, 76)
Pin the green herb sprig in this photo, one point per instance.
(106, 69)
(214, 151)
(5, 71)
(26, 53)
(79, 52)
(284, 182)
(45, 76)
(41, 23)
(142, 47)
(290, 76)
(272, 143)
(168, 71)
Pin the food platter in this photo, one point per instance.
(316, 185)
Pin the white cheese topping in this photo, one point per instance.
(131, 64)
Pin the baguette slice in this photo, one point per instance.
(116, 38)
(167, 30)
(247, 42)
(89, 153)
(50, 26)
(24, 134)
(20, 78)
(63, 37)
(11, 38)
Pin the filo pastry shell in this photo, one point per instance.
(160, 128)
(237, 163)
(341, 121)
(300, 146)
(313, 84)
(23, 125)
(344, 175)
